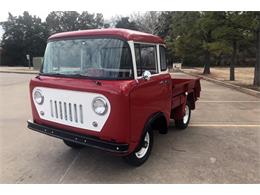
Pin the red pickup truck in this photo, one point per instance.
(109, 89)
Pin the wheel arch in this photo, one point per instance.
(191, 100)
(157, 121)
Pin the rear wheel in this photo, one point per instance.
(143, 151)
(184, 122)
(73, 144)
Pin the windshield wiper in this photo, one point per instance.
(64, 75)
(51, 74)
(78, 75)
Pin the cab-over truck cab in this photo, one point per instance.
(109, 89)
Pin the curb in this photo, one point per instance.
(18, 72)
(236, 87)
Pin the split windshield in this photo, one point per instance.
(104, 58)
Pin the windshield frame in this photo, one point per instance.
(41, 73)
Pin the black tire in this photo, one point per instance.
(73, 144)
(142, 152)
(184, 122)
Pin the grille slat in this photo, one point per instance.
(51, 104)
(56, 109)
(61, 115)
(70, 112)
(65, 110)
(75, 113)
(81, 113)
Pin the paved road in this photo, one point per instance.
(221, 145)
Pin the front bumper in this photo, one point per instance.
(79, 138)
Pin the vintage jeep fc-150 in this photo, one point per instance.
(109, 89)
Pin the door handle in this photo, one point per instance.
(164, 82)
(161, 82)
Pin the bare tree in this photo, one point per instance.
(147, 22)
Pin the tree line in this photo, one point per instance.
(193, 38)
(27, 34)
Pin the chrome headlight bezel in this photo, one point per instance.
(38, 97)
(100, 106)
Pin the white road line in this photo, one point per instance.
(69, 167)
(229, 101)
(222, 125)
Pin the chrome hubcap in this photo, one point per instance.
(186, 116)
(141, 153)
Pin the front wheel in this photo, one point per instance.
(143, 151)
(184, 122)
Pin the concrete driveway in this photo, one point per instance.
(222, 145)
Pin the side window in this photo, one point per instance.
(146, 58)
(163, 58)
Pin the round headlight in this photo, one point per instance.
(99, 106)
(38, 97)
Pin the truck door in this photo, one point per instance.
(150, 95)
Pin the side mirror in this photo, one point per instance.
(146, 75)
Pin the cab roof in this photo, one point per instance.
(128, 35)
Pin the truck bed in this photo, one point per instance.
(181, 85)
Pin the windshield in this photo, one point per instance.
(106, 58)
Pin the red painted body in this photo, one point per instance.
(133, 102)
(120, 33)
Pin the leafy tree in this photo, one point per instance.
(62, 21)
(203, 37)
(124, 22)
(90, 21)
(244, 32)
(23, 35)
(257, 65)
(234, 34)
(164, 24)
(207, 24)
(228, 36)
(27, 34)
(164, 30)
(183, 41)
(252, 23)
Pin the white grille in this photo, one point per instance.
(66, 111)
(71, 108)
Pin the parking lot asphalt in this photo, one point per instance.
(222, 145)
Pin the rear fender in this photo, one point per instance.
(179, 112)
(191, 99)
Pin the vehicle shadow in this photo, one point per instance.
(95, 166)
